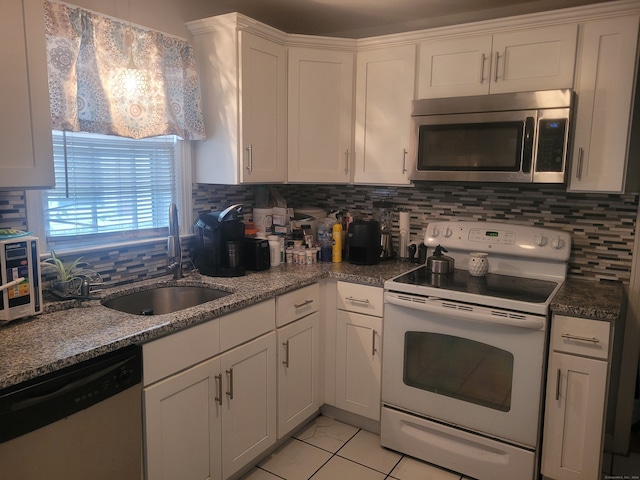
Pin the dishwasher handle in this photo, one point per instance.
(467, 312)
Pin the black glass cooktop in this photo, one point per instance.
(492, 285)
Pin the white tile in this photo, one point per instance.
(340, 468)
(295, 460)
(629, 465)
(258, 474)
(410, 469)
(327, 433)
(365, 449)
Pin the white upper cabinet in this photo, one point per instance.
(385, 87)
(604, 95)
(26, 160)
(522, 60)
(244, 102)
(320, 115)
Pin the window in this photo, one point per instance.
(108, 186)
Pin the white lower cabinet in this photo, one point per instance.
(208, 414)
(576, 399)
(248, 402)
(212, 419)
(298, 372)
(359, 349)
(358, 364)
(183, 425)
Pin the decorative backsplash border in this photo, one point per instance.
(602, 226)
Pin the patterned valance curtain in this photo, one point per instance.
(88, 56)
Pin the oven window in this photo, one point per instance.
(471, 147)
(459, 368)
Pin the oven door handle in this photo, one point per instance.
(431, 305)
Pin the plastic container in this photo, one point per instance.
(325, 238)
(274, 250)
(336, 251)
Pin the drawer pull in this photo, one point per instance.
(569, 336)
(230, 376)
(218, 397)
(285, 362)
(358, 300)
(303, 304)
(373, 344)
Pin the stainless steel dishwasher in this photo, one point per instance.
(84, 421)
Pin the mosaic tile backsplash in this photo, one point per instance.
(602, 226)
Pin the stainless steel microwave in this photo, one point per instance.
(513, 137)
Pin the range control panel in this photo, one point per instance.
(500, 238)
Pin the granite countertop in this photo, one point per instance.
(72, 331)
(589, 299)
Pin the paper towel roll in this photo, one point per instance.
(403, 223)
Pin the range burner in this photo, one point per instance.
(508, 287)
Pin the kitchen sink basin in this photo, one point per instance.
(164, 299)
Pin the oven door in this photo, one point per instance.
(474, 367)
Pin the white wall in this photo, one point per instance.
(168, 16)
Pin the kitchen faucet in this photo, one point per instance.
(174, 251)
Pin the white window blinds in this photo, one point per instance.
(109, 184)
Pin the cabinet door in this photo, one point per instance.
(320, 115)
(182, 425)
(574, 418)
(249, 403)
(604, 87)
(263, 109)
(534, 59)
(25, 118)
(384, 91)
(358, 363)
(454, 68)
(298, 372)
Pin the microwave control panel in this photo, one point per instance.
(552, 134)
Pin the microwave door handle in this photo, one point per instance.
(527, 144)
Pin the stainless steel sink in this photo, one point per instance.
(164, 299)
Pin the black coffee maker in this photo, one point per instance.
(220, 242)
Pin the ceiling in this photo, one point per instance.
(365, 18)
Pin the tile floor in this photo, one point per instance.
(327, 449)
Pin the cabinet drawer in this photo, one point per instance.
(251, 322)
(580, 336)
(297, 304)
(360, 298)
(180, 350)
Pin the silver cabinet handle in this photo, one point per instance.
(558, 385)
(230, 390)
(250, 158)
(346, 161)
(404, 160)
(569, 336)
(285, 362)
(373, 343)
(218, 379)
(496, 71)
(303, 304)
(580, 159)
(484, 60)
(358, 300)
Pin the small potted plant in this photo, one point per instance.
(69, 276)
